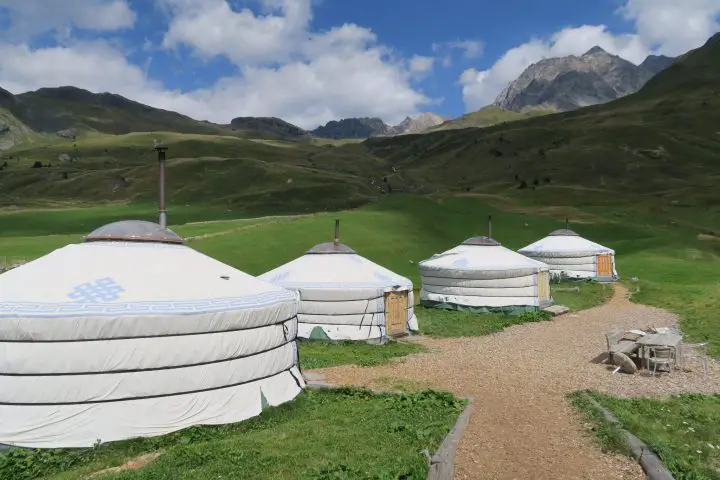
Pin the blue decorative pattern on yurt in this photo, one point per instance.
(278, 277)
(461, 262)
(100, 290)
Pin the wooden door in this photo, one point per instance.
(396, 305)
(604, 266)
(543, 279)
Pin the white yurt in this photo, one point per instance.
(482, 276)
(344, 296)
(570, 255)
(133, 334)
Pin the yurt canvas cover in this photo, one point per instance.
(123, 337)
(568, 254)
(344, 296)
(482, 276)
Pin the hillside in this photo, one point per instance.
(260, 176)
(14, 132)
(571, 82)
(73, 112)
(660, 141)
(269, 127)
(490, 115)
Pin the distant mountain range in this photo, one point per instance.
(375, 127)
(571, 82)
(550, 85)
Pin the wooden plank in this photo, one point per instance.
(543, 279)
(396, 304)
(604, 265)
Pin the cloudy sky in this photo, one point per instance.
(310, 61)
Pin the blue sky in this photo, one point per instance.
(310, 61)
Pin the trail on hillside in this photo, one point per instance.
(522, 425)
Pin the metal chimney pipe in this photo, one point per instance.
(489, 226)
(336, 241)
(161, 164)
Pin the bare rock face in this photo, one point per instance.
(352, 128)
(418, 124)
(375, 127)
(571, 82)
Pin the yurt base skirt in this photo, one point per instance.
(580, 276)
(375, 333)
(505, 305)
(314, 331)
(74, 425)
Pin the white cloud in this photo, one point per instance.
(288, 71)
(420, 64)
(470, 49)
(211, 28)
(673, 27)
(31, 17)
(667, 27)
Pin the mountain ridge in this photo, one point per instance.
(570, 82)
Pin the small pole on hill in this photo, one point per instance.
(567, 223)
(160, 149)
(336, 241)
(489, 226)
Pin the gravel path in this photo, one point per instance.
(522, 426)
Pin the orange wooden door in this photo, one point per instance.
(604, 266)
(396, 305)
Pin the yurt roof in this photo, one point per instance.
(125, 278)
(561, 243)
(330, 248)
(481, 241)
(563, 232)
(481, 257)
(333, 271)
(134, 231)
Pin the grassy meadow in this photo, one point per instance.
(684, 431)
(671, 251)
(331, 434)
(675, 264)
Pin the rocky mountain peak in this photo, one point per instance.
(375, 127)
(417, 124)
(567, 83)
(596, 50)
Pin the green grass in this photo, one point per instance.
(684, 431)
(446, 323)
(319, 354)
(676, 268)
(336, 434)
(490, 115)
(607, 434)
(591, 295)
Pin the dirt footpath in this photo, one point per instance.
(522, 426)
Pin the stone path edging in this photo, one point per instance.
(442, 463)
(651, 463)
